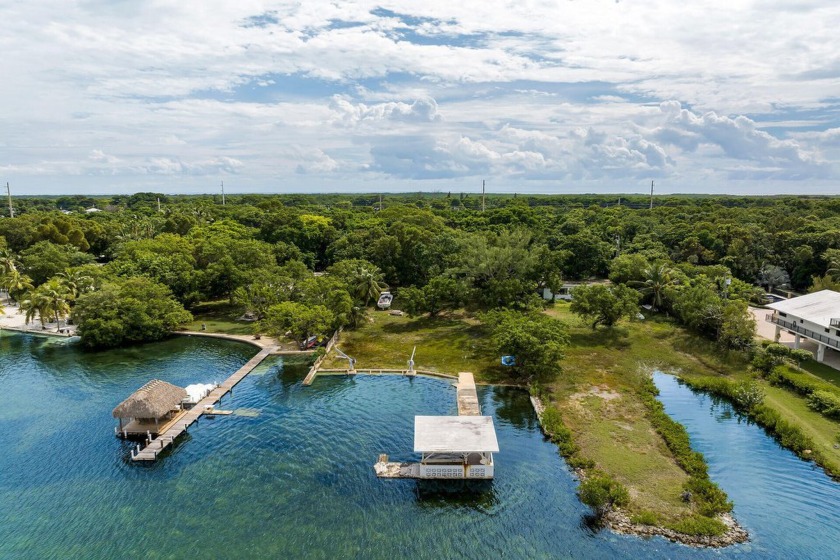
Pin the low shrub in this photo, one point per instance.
(645, 518)
(827, 404)
(710, 498)
(699, 525)
(674, 434)
(603, 492)
(748, 395)
(560, 435)
(789, 378)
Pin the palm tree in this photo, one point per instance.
(657, 279)
(76, 282)
(833, 268)
(357, 316)
(57, 297)
(34, 305)
(16, 284)
(367, 284)
(8, 261)
(49, 300)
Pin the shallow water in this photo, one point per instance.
(293, 476)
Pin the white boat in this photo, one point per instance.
(385, 299)
(195, 393)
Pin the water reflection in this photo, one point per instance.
(787, 504)
(478, 495)
(512, 410)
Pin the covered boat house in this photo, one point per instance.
(455, 446)
(151, 409)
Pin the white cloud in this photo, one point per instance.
(376, 91)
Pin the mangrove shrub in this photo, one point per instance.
(126, 311)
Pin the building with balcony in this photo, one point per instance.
(814, 316)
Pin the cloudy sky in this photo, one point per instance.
(105, 96)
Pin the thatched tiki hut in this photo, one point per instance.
(151, 408)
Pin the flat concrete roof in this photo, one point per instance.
(458, 434)
(820, 307)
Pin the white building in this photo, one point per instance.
(565, 291)
(814, 316)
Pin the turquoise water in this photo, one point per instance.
(290, 475)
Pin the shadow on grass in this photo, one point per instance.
(430, 324)
(615, 337)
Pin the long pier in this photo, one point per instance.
(165, 439)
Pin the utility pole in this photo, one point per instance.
(482, 195)
(223, 193)
(651, 195)
(9, 194)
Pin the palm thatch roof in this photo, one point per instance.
(152, 400)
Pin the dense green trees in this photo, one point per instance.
(126, 311)
(435, 252)
(45, 259)
(535, 340)
(302, 321)
(601, 304)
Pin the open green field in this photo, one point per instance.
(445, 344)
(596, 394)
(219, 317)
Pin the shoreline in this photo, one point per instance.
(619, 522)
(263, 343)
(37, 332)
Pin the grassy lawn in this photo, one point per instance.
(596, 396)
(822, 430)
(823, 371)
(445, 344)
(219, 317)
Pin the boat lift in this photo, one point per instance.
(351, 362)
(411, 363)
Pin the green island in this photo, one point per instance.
(673, 289)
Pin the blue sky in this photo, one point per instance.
(564, 96)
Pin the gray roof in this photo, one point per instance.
(819, 307)
(152, 400)
(464, 434)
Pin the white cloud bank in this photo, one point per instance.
(536, 96)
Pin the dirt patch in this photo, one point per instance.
(602, 392)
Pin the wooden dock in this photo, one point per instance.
(165, 439)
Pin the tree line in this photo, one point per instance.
(699, 259)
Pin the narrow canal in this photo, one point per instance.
(790, 507)
(289, 475)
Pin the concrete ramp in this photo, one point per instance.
(467, 396)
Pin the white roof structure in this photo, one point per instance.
(820, 307)
(459, 434)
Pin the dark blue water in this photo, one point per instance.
(790, 507)
(290, 475)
